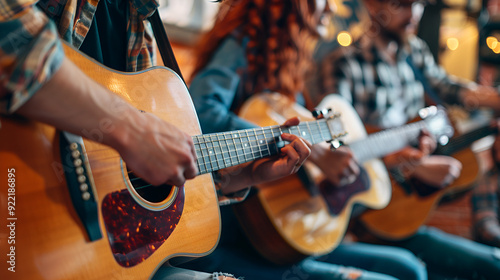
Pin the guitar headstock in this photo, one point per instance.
(437, 122)
(334, 123)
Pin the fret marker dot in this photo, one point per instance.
(303, 133)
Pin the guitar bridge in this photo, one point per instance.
(79, 182)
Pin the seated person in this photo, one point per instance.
(379, 74)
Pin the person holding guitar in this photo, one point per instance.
(39, 83)
(384, 74)
(266, 46)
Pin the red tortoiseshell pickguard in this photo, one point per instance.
(134, 232)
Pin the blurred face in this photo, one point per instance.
(395, 17)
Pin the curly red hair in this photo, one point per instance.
(280, 33)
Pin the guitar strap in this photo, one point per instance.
(164, 46)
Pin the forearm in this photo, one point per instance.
(236, 178)
(405, 160)
(73, 102)
(476, 96)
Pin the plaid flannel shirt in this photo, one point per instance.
(31, 51)
(384, 94)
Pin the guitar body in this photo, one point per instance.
(409, 209)
(137, 235)
(287, 221)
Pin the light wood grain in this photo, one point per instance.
(50, 240)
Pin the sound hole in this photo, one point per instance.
(148, 192)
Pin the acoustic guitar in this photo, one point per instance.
(75, 211)
(290, 219)
(413, 201)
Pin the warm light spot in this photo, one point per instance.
(344, 38)
(496, 49)
(452, 43)
(494, 45)
(492, 42)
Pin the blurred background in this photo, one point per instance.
(466, 44)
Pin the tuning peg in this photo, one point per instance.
(427, 111)
(335, 144)
(322, 113)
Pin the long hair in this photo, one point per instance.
(281, 36)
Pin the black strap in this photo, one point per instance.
(164, 46)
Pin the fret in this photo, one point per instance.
(199, 156)
(224, 150)
(217, 151)
(320, 132)
(205, 156)
(258, 153)
(264, 143)
(305, 133)
(226, 154)
(245, 156)
(298, 130)
(246, 146)
(236, 154)
(253, 144)
(328, 134)
(274, 141)
(310, 133)
(269, 136)
(376, 145)
(237, 146)
(212, 153)
(279, 144)
(294, 130)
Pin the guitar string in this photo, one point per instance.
(469, 137)
(219, 158)
(202, 135)
(317, 133)
(381, 136)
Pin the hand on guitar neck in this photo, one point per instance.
(433, 170)
(267, 169)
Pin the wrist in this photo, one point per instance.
(124, 130)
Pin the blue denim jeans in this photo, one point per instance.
(377, 263)
(235, 255)
(450, 256)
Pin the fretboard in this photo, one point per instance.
(382, 143)
(465, 140)
(220, 150)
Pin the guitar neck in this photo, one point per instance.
(465, 140)
(382, 143)
(220, 150)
